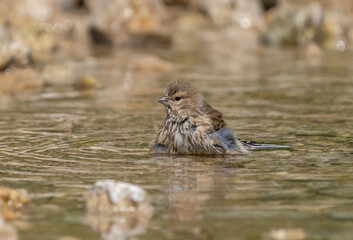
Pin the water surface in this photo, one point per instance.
(59, 142)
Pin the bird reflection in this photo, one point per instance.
(189, 183)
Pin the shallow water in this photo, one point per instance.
(59, 142)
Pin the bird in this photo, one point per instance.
(192, 126)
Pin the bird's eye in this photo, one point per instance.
(177, 98)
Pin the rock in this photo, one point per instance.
(190, 23)
(100, 37)
(117, 209)
(177, 2)
(11, 201)
(86, 83)
(297, 23)
(126, 21)
(14, 54)
(246, 14)
(268, 4)
(20, 80)
(23, 27)
(28, 79)
(111, 197)
(150, 39)
(286, 234)
(68, 238)
(59, 74)
(151, 63)
(72, 4)
(41, 28)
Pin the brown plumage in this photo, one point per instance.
(192, 126)
(215, 116)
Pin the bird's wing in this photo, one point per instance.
(226, 137)
(216, 118)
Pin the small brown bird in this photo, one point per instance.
(192, 126)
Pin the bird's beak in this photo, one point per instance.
(164, 101)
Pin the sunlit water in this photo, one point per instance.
(59, 142)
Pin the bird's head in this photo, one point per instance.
(182, 99)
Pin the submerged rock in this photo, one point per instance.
(11, 201)
(68, 125)
(117, 209)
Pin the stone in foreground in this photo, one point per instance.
(117, 209)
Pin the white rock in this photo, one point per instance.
(120, 190)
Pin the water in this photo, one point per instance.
(59, 142)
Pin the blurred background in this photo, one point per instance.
(49, 39)
(79, 83)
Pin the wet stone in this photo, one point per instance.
(244, 14)
(69, 5)
(58, 74)
(117, 209)
(269, 4)
(87, 83)
(297, 23)
(294, 25)
(68, 238)
(286, 234)
(20, 80)
(151, 63)
(110, 197)
(11, 201)
(14, 54)
(127, 21)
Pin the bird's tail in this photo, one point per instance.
(252, 146)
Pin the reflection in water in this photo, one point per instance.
(186, 179)
(119, 227)
(189, 182)
(7, 232)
